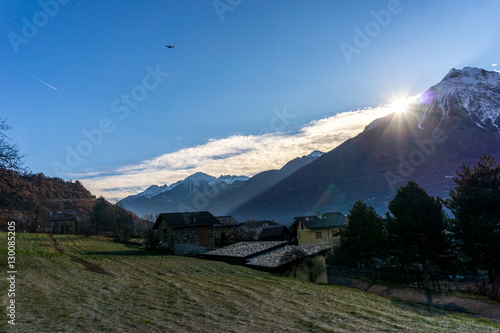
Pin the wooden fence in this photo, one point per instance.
(437, 280)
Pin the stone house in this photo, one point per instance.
(190, 233)
(311, 267)
(62, 223)
(319, 229)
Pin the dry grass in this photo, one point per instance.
(152, 293)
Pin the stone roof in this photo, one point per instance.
(326, 220)
(257, 224)
(274, 259)
(274, 231)
(227, 221)
(188, 219)
(243, 250)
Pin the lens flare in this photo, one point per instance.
(401, 105)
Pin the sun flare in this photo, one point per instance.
(400, 105)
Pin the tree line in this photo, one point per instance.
(416, 232)
(28, 198)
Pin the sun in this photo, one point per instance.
(400, 105)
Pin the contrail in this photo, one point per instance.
(43, 82)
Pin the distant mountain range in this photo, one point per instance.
(204, 192)
(451, 123)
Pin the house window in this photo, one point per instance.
(301, 227)
(319, 235)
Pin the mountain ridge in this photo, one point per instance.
(202, 192)
(427, 144)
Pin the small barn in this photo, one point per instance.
(240, 253)
(190, 233)
(306, 263)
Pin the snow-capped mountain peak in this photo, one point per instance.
(472, 91)
(195, 181)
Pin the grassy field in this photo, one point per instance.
(78, 284)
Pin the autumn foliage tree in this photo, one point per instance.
(475, 203)
(111, 220)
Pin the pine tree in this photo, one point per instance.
(475, 203)
(416, 228)
(363, 236)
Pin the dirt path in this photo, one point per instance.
(468, 306)
(87, 264)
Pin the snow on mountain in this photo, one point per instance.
(193, 182)
(473, 91)
(154, 190)
(231, 179)
(316, 154)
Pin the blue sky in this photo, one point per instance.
(244, 76)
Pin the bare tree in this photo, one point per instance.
(293, 255)
(9, 151)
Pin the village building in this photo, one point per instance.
(274, 256)
(310, 268)
(240, 253)
(190, 233)
(62, 223)
(279, 233)
(250, 230)
(225, 233)
(319, 229)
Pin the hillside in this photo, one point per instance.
(29, 198)
(76, 283)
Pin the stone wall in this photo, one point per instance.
(186, 241)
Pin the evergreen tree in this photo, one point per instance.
(475, 203)
(416, 228)
(363, 236)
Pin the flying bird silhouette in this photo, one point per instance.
(169, 46)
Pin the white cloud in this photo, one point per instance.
(235, 155)
(494, 65)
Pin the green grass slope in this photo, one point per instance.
(78, 284)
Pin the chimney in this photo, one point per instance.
(318, 215)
